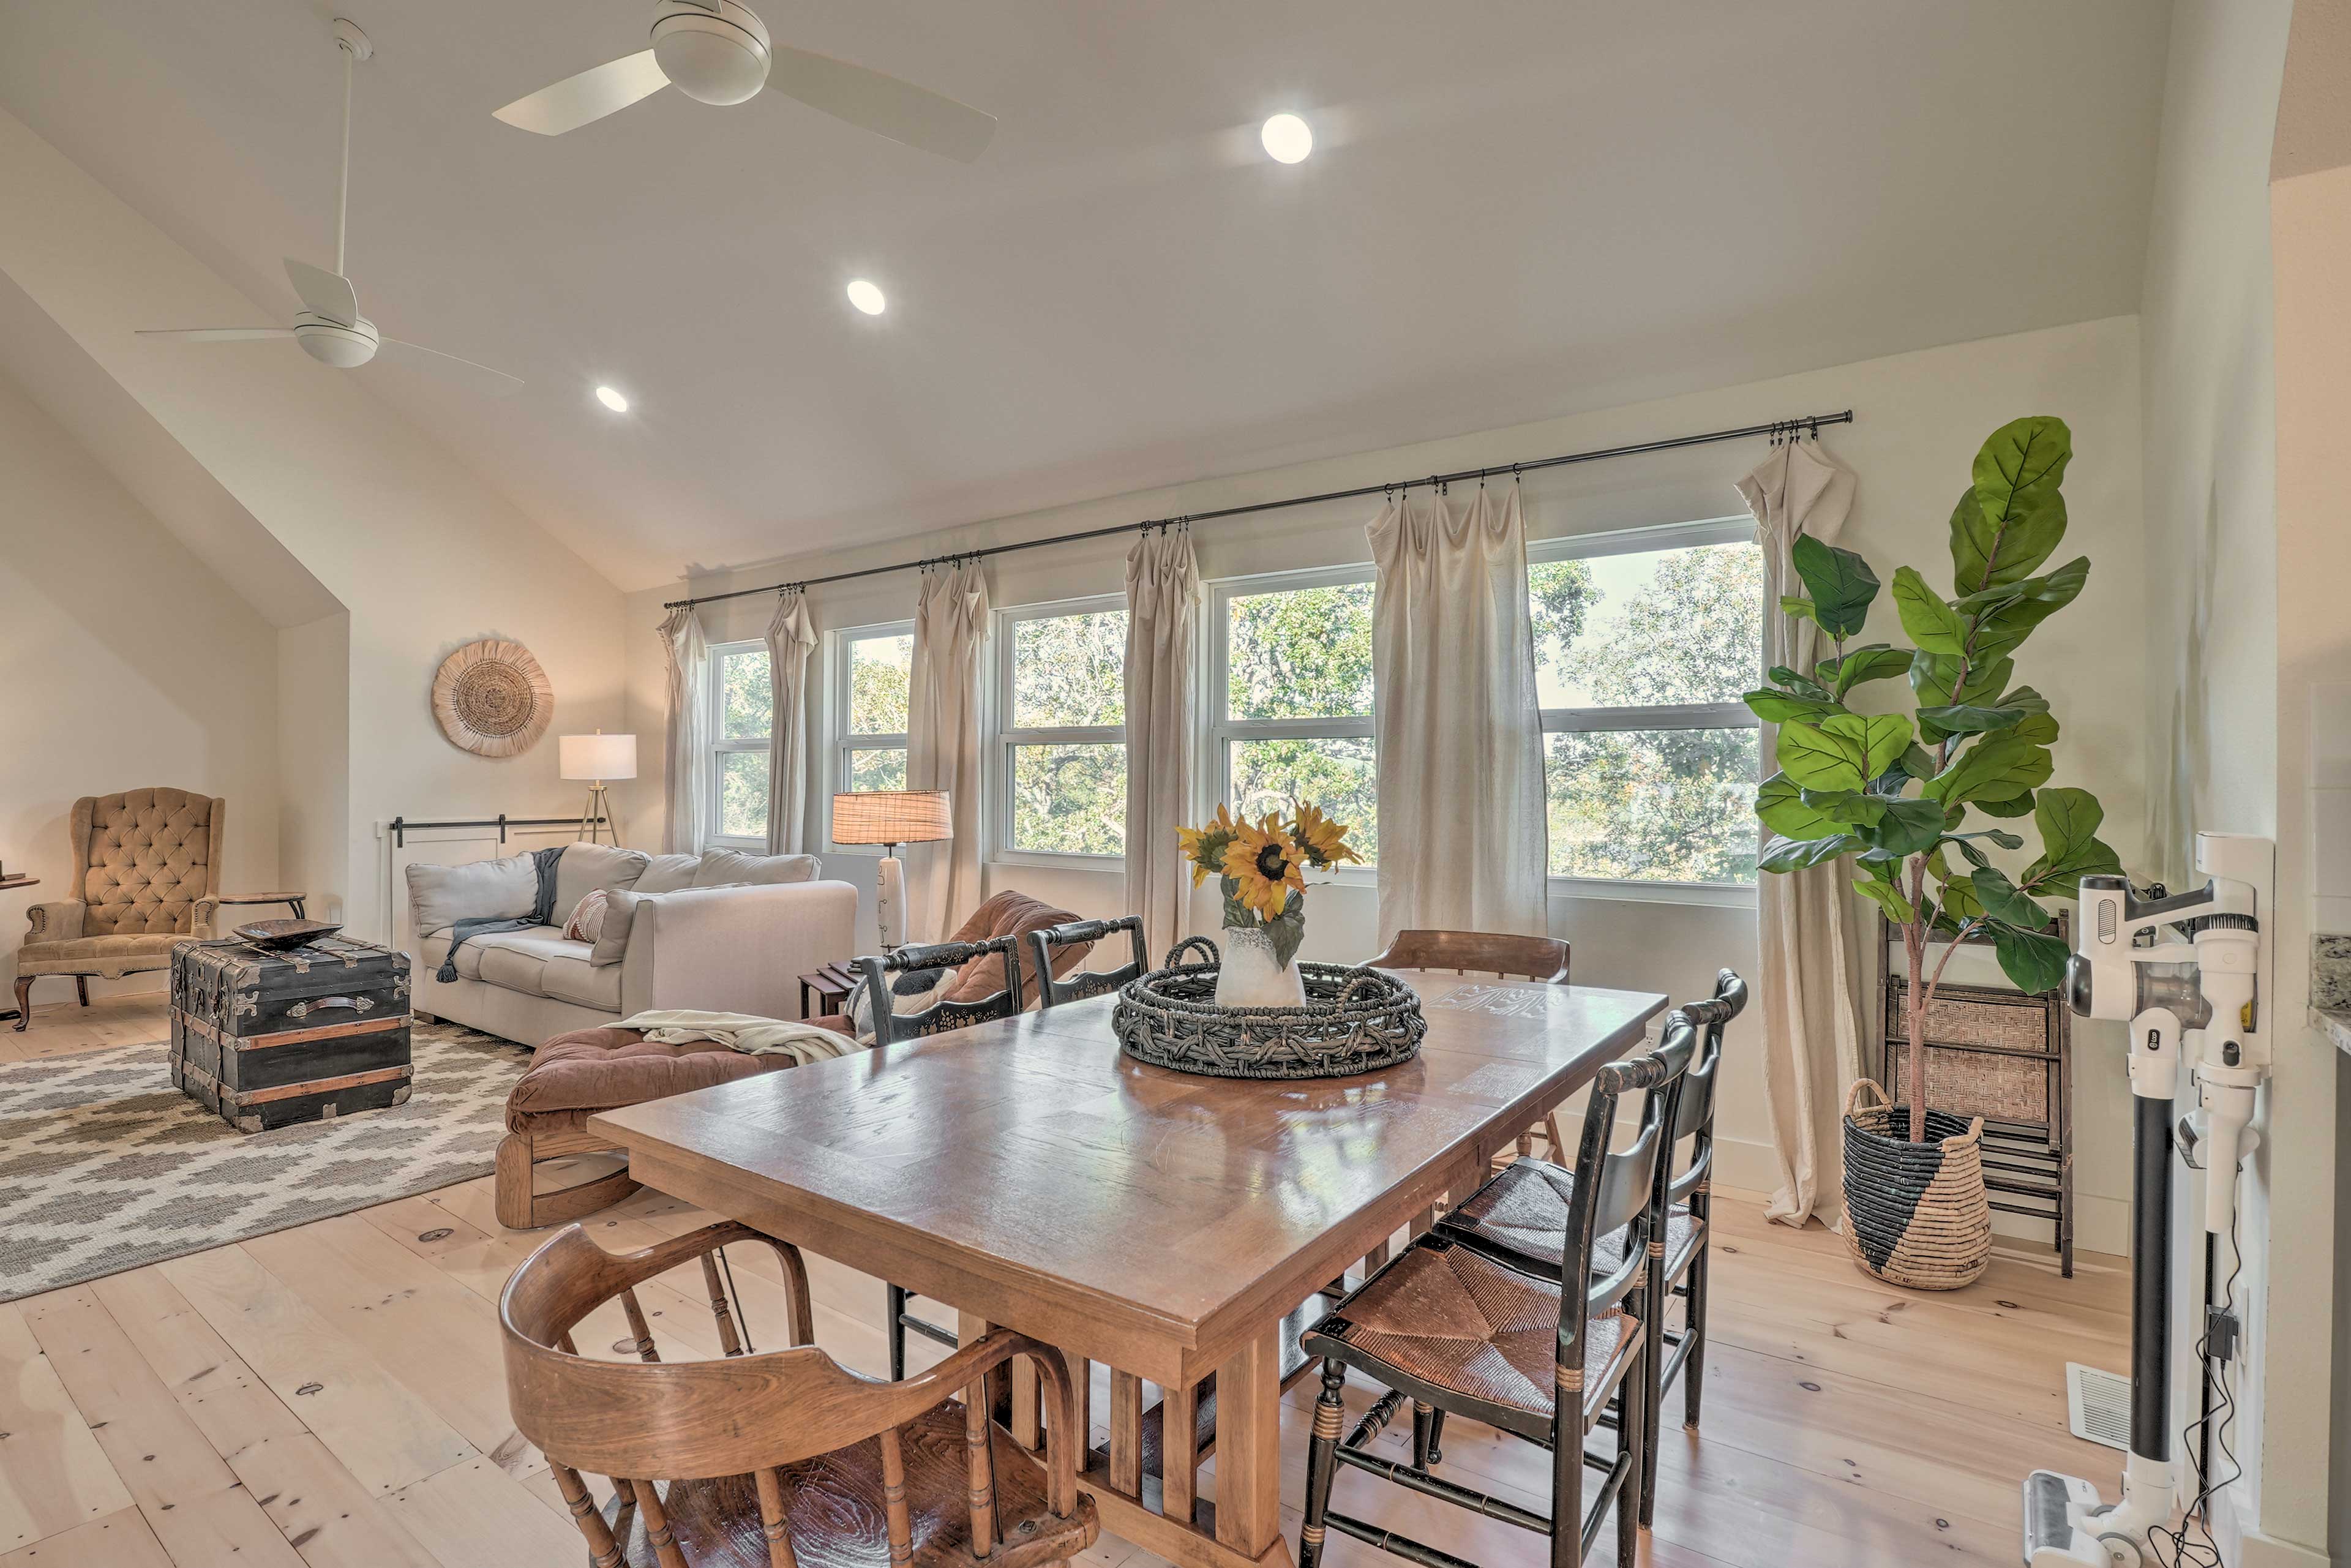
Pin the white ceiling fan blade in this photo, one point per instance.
(591, 95)
(497, 383)
(219, 334)
(872, 102)
(330, 294)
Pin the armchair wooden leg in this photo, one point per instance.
(23, 1002)
(81, 989)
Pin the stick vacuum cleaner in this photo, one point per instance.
(2183, 969)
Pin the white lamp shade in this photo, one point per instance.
(599, 755)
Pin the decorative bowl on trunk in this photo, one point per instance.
(279, 936)
(1355, 1020)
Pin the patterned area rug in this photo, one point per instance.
(104, 1166)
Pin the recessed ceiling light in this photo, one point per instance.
(1287, 139)
(867, 298)
(611, 400)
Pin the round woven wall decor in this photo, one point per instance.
(492, 698)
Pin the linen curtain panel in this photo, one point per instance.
(943, 742)
(1459, 734)
(685, 768)
(1819, 951)
(1163, 598)
(791, 638)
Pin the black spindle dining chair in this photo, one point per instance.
(1043, 950)
(1542, 1355)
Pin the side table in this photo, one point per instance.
(292, 901)
(826, 992)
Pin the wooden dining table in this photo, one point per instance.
(1176, 1228)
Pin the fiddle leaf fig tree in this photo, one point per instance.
(1897, 797)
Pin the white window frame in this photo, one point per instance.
(1220, 730)
(721, 747)
(1004, 737)
(843, 740)
(1690, 716)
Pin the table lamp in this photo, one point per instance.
(597, 758)
(890, 818)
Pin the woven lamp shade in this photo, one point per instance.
(891, 817)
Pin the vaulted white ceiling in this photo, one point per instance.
(1514, 210)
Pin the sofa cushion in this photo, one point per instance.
(113, 957)
(518, 959)
(570, 980)
(582, 868)
(441, 896)
(612, 943)
(575, 1075)
(734, 868)
(667, 874)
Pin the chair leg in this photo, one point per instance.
(1632, 1423)
(898, 1324)
(23, 1002)
(1652, 1395)
(1694, 1335)
(1322, 1461)
(1436, 1439)
(1424, 1416)
(81, 989)
(1568, 1431)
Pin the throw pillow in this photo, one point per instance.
(441, 896)
(587, 921)
(721, 868)
(619, 913)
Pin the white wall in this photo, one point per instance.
(1921, 418)
(130, 664)
(424, 554)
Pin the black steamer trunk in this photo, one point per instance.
(268, 1040)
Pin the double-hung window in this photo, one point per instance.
(1644, 641)
(873, 675)
(1061, 704)
(1289, 690)
(742, 715)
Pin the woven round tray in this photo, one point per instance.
(1354, 1020)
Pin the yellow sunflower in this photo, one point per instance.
(1204, 846)
(1265, 863)
(1323, 841)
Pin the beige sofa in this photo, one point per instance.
(721, 931)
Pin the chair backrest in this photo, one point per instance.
(891, 1027)
(636, 1421)
(1477, 953)
(1694, 1111)
(1084, 983)
(144, 858)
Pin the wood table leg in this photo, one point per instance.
(1126, 1432)
(1179, 1458)
(1249, 1445)
(1027, 1431)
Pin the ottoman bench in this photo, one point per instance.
(571, 1077)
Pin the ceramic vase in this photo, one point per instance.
(1248, 976)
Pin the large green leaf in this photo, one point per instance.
(1905, 827)
(1798, 606)
(1875, 662)
(2066, 818)
(1996, 767)
(1287, 931)
(2020, 806)
(2034, 963)
(1967, 719)
(2013, 514)
(2002, 630)
(1795, 854)
(1796, 681)
(1887, 897)
(1779, 802)
(1818, 760)
(1985, 679)
(2001, 900)
(1841, 583)
(1845, 809)
(1778, 708)
(1934, 625)
(1881, 737)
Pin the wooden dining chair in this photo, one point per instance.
(778, 1458)
(1522, 1215)
(1540, 1355)
(891, 1027)
(1499, 954)
(1044, 952)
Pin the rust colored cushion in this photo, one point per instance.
(1007, 913)
(575, 1075)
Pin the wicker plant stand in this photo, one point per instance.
(2007, 1057)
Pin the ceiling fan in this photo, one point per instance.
(330, 327)
(717, 52)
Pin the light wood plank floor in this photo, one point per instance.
(332, 1397)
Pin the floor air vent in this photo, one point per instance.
(2098, 1404)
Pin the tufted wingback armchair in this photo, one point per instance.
(146, 865)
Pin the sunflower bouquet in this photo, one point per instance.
(1262, 867)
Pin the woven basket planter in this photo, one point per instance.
(1354, 1020)
(1915, 1213)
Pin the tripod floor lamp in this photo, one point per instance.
(890, 818)
(597, 759)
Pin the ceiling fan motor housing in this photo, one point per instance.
(331, 342)
(711, 50)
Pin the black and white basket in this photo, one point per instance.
(1355, 1019)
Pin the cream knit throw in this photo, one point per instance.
(804, 1042)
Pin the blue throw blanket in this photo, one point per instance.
(542, 913)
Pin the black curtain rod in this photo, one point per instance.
(1810, 424)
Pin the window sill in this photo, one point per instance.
(1705, 895)
(1047, 860)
